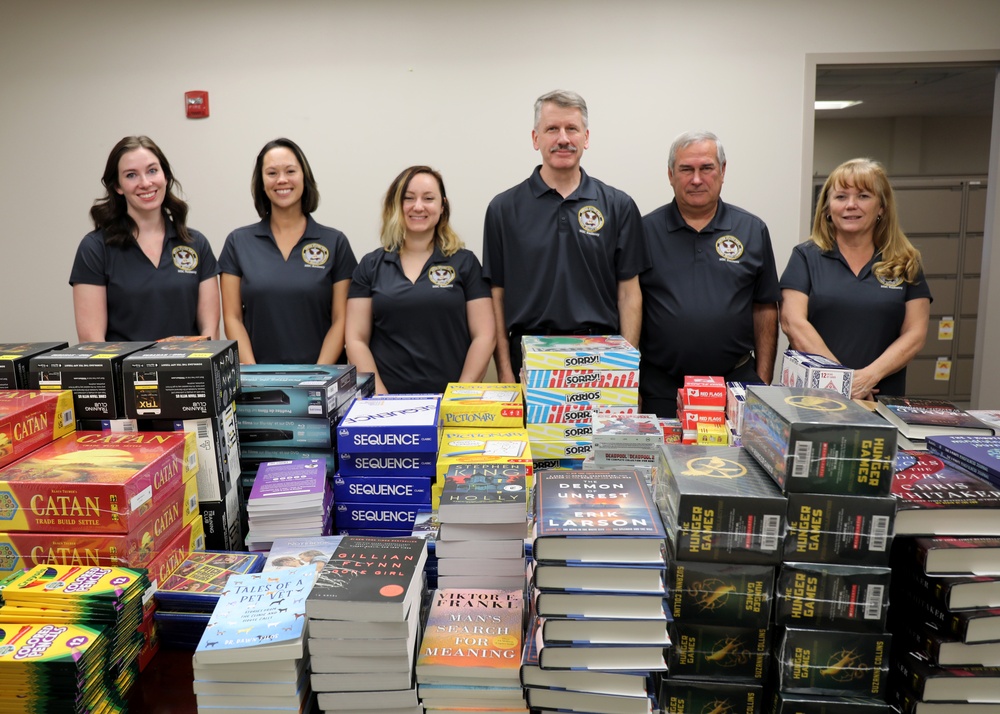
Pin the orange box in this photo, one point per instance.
(30, 419)
(96, 482)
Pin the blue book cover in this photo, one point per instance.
(978, 454)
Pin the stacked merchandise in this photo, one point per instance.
(289, 412)
(471, 651)
(918, 419)
(804, 369)
(834, 460)
(946, 591)
(364, 624)
(426, 527)
(388, 450)
(463, 450)
(736, 399)
(725, 519)
(288, 553)
(564, 378)
(252, 655)
(701, 410)
(599, 627)
(289, 499)
(15, 358)
(185, 600)
(38, 604)
(482, 518)
(630, 441)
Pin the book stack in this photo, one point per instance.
(918, 419)
(623, 440)
(289, 499)
(724, 519)
(388, 452)
(833, 460)
(563, 379)
(946, 595)
(701, 410)
(364, 625)
(599, 626)
(482, 517)
(471, 651)
(252, 653)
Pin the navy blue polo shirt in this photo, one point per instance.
(858, 316)
(698, 296)
(559, 259)
(287, 304)
(420, 331)
(146, 301)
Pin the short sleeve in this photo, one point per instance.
(632, 253)
(475, 284)
(344, 261)
(796, 275)
(493, 245)
(208, 266)
(767, 289)
(364, 276)
(90, 265)
(919, 288)
(229, 262)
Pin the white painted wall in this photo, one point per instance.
(367, 88)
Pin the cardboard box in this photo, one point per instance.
(295, 390)
(559, 431)
(703, 393)
(92, 370)
(561, 449)
(95, 482)
(398, 516)
(221, 520)
(252, 456)
(15, 358)
(383, 489)
(182, 379)
(581, 378)
(593, 396)
(482, 406)
(803, 369)
(390, 426)
(369, 465)
(305, 432)
(32, 418)
(600, 352)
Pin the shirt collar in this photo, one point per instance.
(585, 191)
(392, 256)
(721, 221)
(263, 229)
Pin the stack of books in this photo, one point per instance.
(252, 653)
(624, 440)
(599, 626)
(471, 651)
(364, 625)
(388, 452)
(701, 410)
(917, 419)
(289, 499)
(482, 517)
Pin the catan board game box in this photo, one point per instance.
(31, 418)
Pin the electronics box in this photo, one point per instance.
(294, 390)
(15, 358)
(305, 432)
(221, 521)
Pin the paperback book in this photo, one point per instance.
(922, 418)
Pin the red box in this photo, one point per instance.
(29, 419)
(703, 392)
(690, 418)
(95, 482)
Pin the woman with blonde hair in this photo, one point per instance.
(419, 313)
(855, 291)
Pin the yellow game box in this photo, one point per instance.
(30, 419)
(473, 405)
(561, 449)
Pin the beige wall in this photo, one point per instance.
(369, 87)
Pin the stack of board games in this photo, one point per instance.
(563, 379)
(701, 410)
(482, 517)
(15, 358)
(834, 460)
(289, 499)
(61, 595)
(946, 591)
(624, 440)
(597, 589)
(725, 520)
(252, 654)
(388, 453)
(470, 653)
(186, 599)
(364, 625)
(804, 369)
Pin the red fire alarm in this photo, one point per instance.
(196, 104)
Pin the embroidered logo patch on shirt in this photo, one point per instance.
(185, 258)
(315, 254)
(889, 282)
(591, 219)
(441, 276)
(729, 247)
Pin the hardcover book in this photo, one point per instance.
(599, 606)
(484, 493)
(832, 597)
(567, 700)
(825, 528)
(978, 454)
(967, 626)
(370, 579)
(614, 658)
(954, 593)
(949, 555)
(597, 517)
(922, 418)
(586, 632)
(818, 441)
(827, 662)
(944, 650)
(721, 593)
(552, 577)
(935, 498)
(947, 684)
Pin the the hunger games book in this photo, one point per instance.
(829, 662)
(680, 696)
(721, 593)
(719, 651)
(832, 597)
(826, 528)
(923, 418)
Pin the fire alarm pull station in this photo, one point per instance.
(196, 104)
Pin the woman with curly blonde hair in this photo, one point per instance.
(855, 291)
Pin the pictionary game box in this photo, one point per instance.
(595, 352)
(294, 390)
(15, 358)
(482, 406)
(92, 370)
(390, 426)
(32, 418)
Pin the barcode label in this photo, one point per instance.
(192, 503)
(801, 459)
(879, 538)
(129, 426)
(67, 418)
(203, 430)
(769, 533)
(873, 602)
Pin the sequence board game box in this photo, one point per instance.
(31, 418)
(294, 390)
(596, 352)
(721, 593)
(382, 489)
(15, 358)
(681, 696)
(390, 426)
(95, 482)
(830, 662)
(817, 441)
(803, 369)
(482, 405)
(92, 370)
(825, 528)
(182, 379)
(369, 464)
(725, 652)
(305, 432)
(721, 505)
(580, 378)
(832, 597)
(375, 515)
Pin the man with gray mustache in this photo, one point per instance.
(562, 250)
